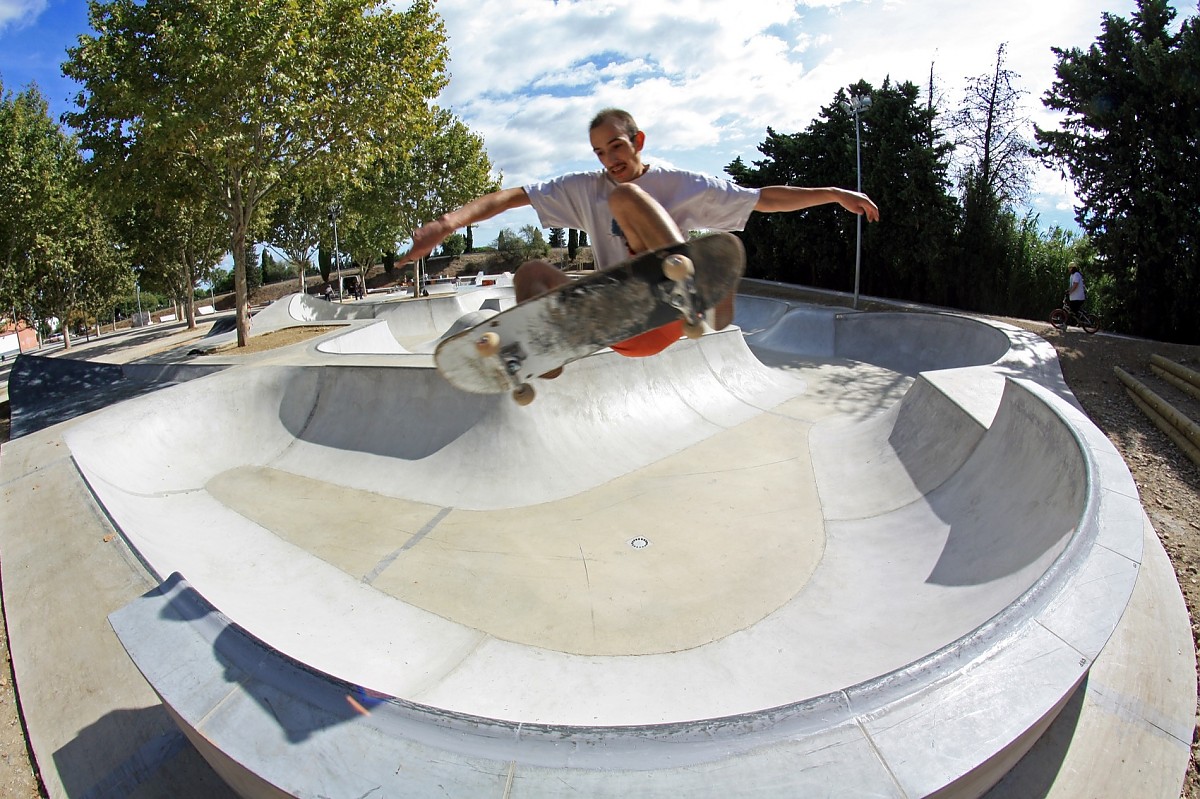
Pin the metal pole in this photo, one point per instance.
(856, 105)
(858, 239)
(337, 258)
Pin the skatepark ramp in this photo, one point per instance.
(408, 321)
(872, 551)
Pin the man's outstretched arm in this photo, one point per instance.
(773, 199)
(431, 234)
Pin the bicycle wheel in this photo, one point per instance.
(1089, 322)
(1058, 318)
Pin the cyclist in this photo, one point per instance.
(1076, 292)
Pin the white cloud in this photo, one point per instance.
(18, 13)
(706, 77)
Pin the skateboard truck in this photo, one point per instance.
(680, 270)
(488, 345)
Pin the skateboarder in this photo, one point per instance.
(628, 207)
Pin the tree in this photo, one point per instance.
(1128, 138)
(558, 237)
(455, 244)
(517, 248)
(325, 262)
(995, 161)
(237, 98)
(905, 253)
(443, 171)
(990, 130)
(59, 255)
(173, 238)
(297, 223)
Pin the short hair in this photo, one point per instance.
(622, 119)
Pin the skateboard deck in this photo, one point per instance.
(574, 320)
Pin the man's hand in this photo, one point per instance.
(859, 203)
(425, 239)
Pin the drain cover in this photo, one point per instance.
(639, 542)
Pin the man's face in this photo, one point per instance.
(621, 157)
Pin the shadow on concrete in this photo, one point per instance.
(110, 344)
(45, 391)
(125, 749)
(1035, 773)
(301, 701)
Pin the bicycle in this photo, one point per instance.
(1064, 317)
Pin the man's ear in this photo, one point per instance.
(639, 141)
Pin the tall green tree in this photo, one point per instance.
(296, 225)
(174, 239)
(59, 255)
(443, 171)
(237, 98)
(904, 169)
(1130, 139)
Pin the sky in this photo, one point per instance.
(703, 78)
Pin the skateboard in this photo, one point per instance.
(505, 352)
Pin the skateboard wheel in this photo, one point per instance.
(488, 344)
(678, 267)
(693, 329)
(523, 394)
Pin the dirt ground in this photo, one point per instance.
(1169, 484)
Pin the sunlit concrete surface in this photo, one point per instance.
(823, 553)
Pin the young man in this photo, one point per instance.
(1076, 292)
(628, 207)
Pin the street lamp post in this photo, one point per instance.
(334, 210)
(856, 105)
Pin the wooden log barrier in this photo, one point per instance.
(1185, 379)
(1181, 430)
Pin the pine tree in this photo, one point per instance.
(1131, 105)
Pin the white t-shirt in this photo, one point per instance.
(1075, 287)
(693, 200)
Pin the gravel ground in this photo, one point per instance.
(1169, 484)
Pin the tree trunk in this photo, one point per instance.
(189, 268)
(241, 298)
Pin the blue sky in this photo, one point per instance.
(704, 78)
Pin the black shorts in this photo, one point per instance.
(1076, 306)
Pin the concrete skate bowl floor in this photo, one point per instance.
(791, 558)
